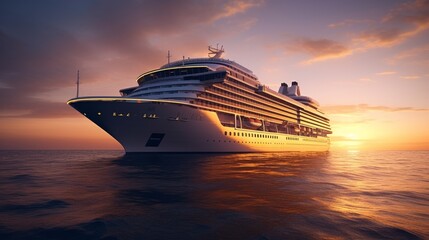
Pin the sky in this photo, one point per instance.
(366, 62)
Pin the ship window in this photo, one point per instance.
(226, 120)
(114, 114)
(230, 133)
(226, 133)
(99, 113)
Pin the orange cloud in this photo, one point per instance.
(398, 25)
(386, 73)
(319, 49)
(344, 109)
(411, 77)
(384, 37)
(410, 54)
(416, 12)
(235, 7)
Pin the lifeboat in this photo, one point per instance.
(296, 129)
(255, 122)
(251, 123)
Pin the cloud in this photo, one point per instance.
(246, 24)
(415, 12)
(386, 73)
(400, 24)
(410, 77)
(29, 106)
(396, 26)
(347, 138)
(411, 54)
(359, 108)
(349, 22)
(43, 44)
(319, 49)
(351, 121)
(238, 6)
(384, 37)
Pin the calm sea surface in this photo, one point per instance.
(109, 195)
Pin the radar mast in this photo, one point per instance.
(216, 52)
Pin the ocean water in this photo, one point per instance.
(109, 195)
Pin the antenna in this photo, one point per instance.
(168, 56)
(77, 85)
(216, 52)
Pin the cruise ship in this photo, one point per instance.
(208, 105)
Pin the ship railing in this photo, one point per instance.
(227, 105)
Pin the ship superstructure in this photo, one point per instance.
(208, 105)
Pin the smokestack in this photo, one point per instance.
(294, 89)
(283, 89)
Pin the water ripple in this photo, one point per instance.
(108, 195)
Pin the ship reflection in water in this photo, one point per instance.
(104, 195)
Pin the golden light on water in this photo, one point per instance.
(377, 130)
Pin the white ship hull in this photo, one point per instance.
(141, 125)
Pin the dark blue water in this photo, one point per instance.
(106, 195)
